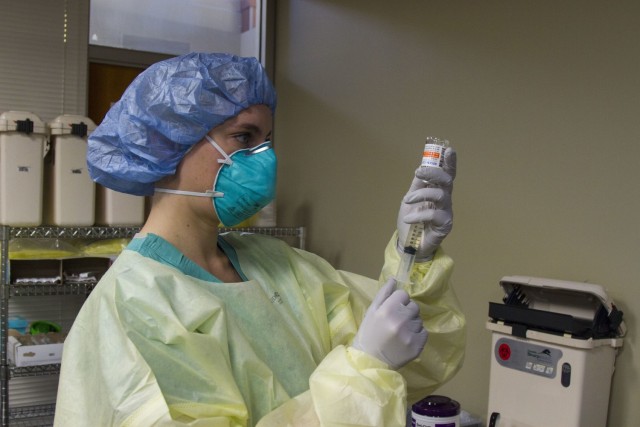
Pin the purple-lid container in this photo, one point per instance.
(436, 406)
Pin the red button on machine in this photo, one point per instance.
(504, 351)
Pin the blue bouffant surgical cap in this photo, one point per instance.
(167, 109)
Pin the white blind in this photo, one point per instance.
(43, 56)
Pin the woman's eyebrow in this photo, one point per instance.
(247, 127)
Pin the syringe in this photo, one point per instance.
(408, 255)
(432, 156)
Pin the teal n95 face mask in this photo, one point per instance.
(245, 183)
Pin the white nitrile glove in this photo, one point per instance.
(392, 329)
(434, 185)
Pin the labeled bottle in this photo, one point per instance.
(432, 157)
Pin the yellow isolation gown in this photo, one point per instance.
(159, 343)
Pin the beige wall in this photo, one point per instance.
(541, 100)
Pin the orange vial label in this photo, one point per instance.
(433, 155)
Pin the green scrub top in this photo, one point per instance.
(155, 247)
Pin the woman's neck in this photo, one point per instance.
(176, 222)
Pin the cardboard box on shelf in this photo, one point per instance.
(23, 350)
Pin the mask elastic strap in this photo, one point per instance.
(208, 193)
(227, 159)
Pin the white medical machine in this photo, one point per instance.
(553, 351)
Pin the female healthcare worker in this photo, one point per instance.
(192, 328)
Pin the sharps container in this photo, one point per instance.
(22, 146)
(435, 411)
(69, 192)
(118, 209)
(553, 351)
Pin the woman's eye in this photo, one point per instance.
(243, 138)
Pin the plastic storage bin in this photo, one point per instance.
(69, 192)
(22, 148)
(118, 209)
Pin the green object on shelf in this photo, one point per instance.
(43, 326)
